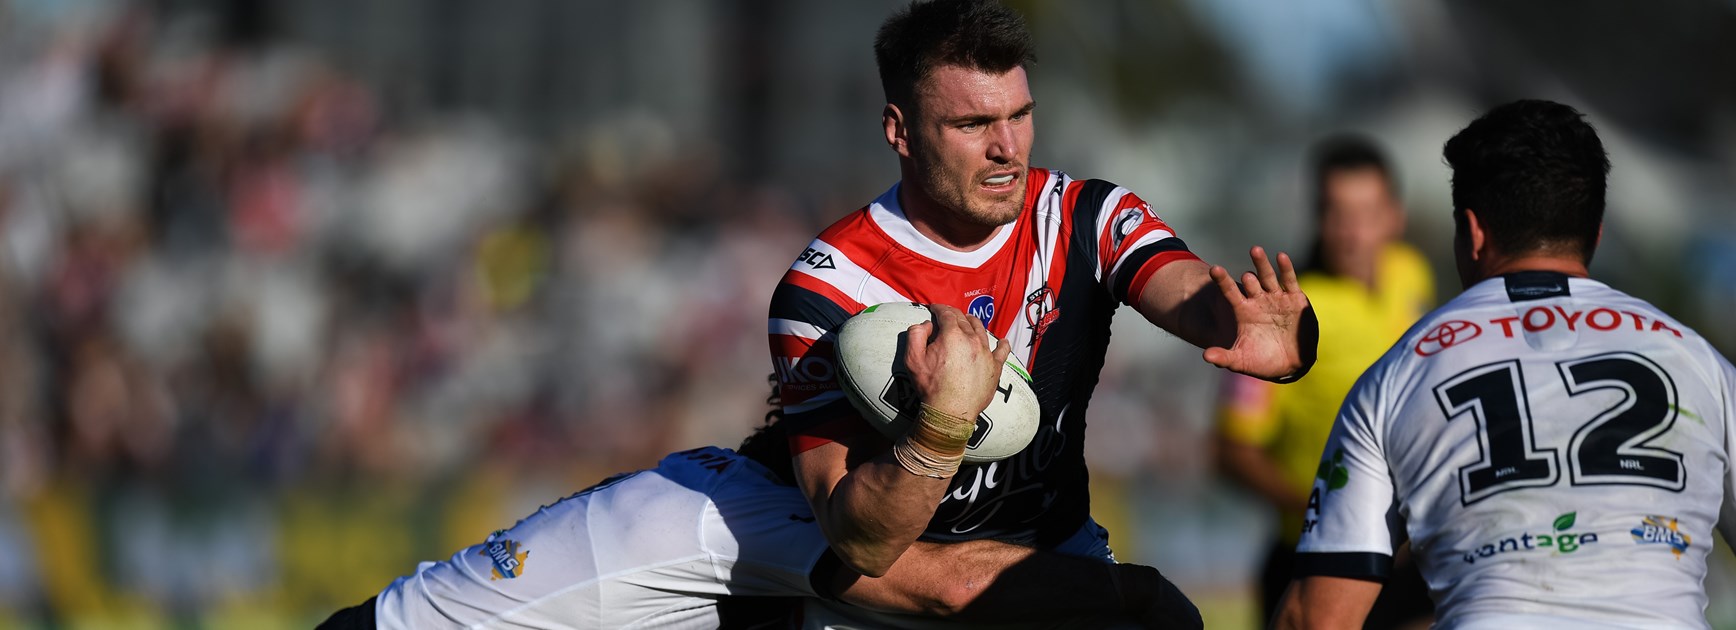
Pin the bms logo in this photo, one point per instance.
(508, 558)
(1562, 541)
(1662, 530)
(982, 308)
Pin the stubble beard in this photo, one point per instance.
(954, 196)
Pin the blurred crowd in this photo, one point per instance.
(263, 346)
(271, 333)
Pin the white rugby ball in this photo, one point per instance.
(871, 370)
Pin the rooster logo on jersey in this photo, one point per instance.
(1041, 312)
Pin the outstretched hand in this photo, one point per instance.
(1276, 332)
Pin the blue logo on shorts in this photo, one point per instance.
(983, 308)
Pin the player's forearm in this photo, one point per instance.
(987, 581)
(1326, 603)
(876, 511)
(1182, 300)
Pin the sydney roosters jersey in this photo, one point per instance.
(1049, 283)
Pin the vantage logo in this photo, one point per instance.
(1336, 475)
(1561, 541)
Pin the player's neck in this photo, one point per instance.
(938, 224)
(1505, 265)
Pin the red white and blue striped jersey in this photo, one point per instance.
(1049, 283)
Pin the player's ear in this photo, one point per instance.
(896, 125)
(1479, 238)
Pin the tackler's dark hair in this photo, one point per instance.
(1535, 173)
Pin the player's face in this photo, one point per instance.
(1360, 218)
(970, 142)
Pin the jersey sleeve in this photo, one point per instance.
(800, 327)
(1131, 243)
(1727, 513)
(1350, 527)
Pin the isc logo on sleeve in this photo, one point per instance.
(816, 259)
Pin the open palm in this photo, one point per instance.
(1276, 333)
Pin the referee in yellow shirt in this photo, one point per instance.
(1367, 288)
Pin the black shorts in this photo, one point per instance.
(357, 617)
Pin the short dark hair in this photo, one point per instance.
(976, 34)
(1535, 173)
(1347, 152)
(1341, 152)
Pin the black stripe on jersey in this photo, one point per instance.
(1355, 565)
(1086, 207)
(1524, 286)
(770, 444)
(1130, 265)
(796, 303)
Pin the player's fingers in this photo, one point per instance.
(946, 318)
(1287, 274)
(1002, 349)
(1219, 357)
(1263, 268)
(1226, 285)
(1251, 284)
(938, 313)
(916, 342)
(976, 326)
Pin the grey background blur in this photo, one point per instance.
(296, 293)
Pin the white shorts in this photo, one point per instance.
(652, 548)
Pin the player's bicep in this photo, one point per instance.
(1131, 243)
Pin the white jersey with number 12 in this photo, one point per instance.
(1557, 452)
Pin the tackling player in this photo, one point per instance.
(680, 544)
(1556, 451)
(1041, 258)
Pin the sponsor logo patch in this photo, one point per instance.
(803, 370)
(1662, 530)
(1448, 334)
(982, 308)
(1335, 475)
(508, 557)
(1560, 541)
(1125, 224)
(816, 259)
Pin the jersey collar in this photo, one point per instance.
(888, 215)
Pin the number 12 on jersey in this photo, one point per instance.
(1611, 447)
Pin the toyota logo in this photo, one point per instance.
(1448, 334)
